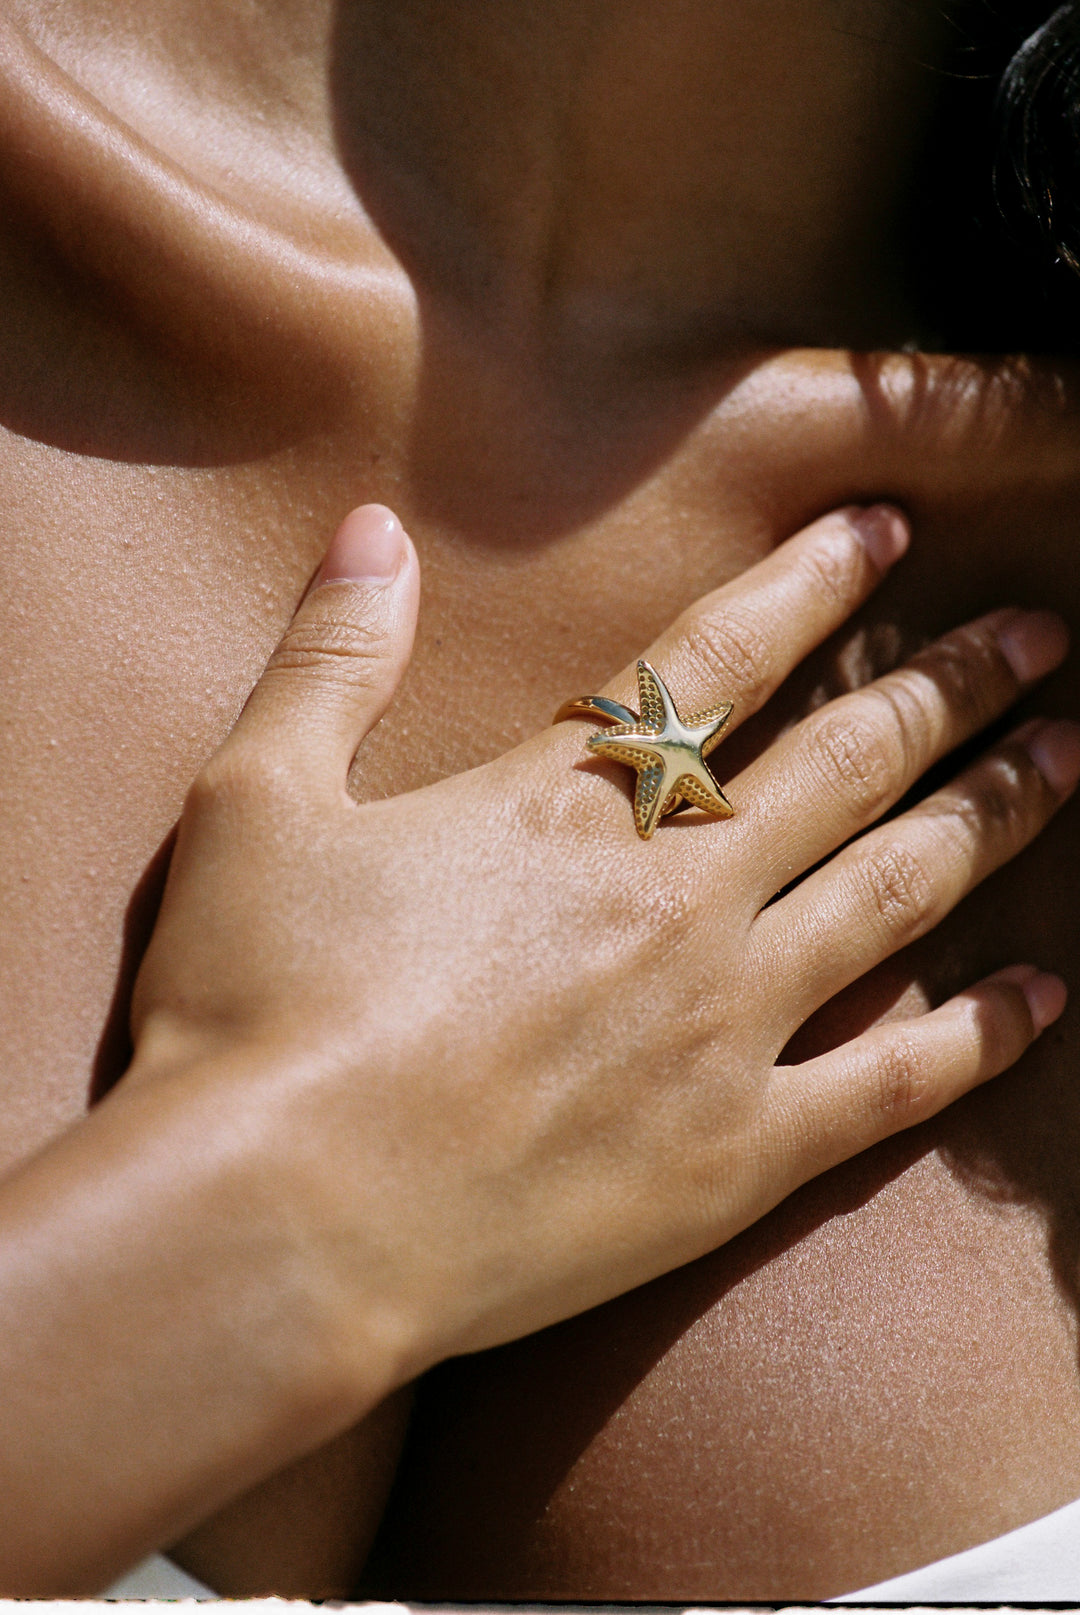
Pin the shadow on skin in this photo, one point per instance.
(122, 357)
(1034, 1165)
(496, 1439)
(579, 434)
(115, 1049)
(163, 345)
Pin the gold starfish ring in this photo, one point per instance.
(668, 752)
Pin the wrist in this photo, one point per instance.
(302, 1136)
(253, 1224)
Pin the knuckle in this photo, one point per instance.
(833, 568)
(559, 817)
(996, 1028)
(1005, 808)
(997, 806)
(858, 763)
(338, 649)
(904, 720)
(968, 673)
(731, 651)
(240, 777)
(904, 1087)
(902, 893)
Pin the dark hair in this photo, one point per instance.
(1038, 114)
(996, 209)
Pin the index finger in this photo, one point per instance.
(740, 643)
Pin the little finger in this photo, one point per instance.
(900, 1073)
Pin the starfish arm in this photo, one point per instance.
(711, 725)
(667, 754)
(616, 729)
(657, 708)
(649, 799)
(709, 797)
(633, 749)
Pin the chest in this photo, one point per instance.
(141, 601)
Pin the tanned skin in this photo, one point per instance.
(584, 297)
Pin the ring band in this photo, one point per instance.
(667, 752)
(595, 706)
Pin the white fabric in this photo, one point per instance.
(1039, 1562)
(157, 1577)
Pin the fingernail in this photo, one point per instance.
(1033, 642)
(1046, 998)
(1046, 995)
(1055, 750)
(885, 533)
(368, 547)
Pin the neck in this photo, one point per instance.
(654, 176)
(589, 191)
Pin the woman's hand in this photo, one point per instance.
(415, 1077)
(505, 1058)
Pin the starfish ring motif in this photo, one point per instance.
(667, 751)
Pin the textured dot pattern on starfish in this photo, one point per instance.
(653, 715)
(649, 784)
(689, 788)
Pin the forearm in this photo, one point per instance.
(166, 1340)
(305, 1532)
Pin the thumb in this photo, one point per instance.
(342, 657)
